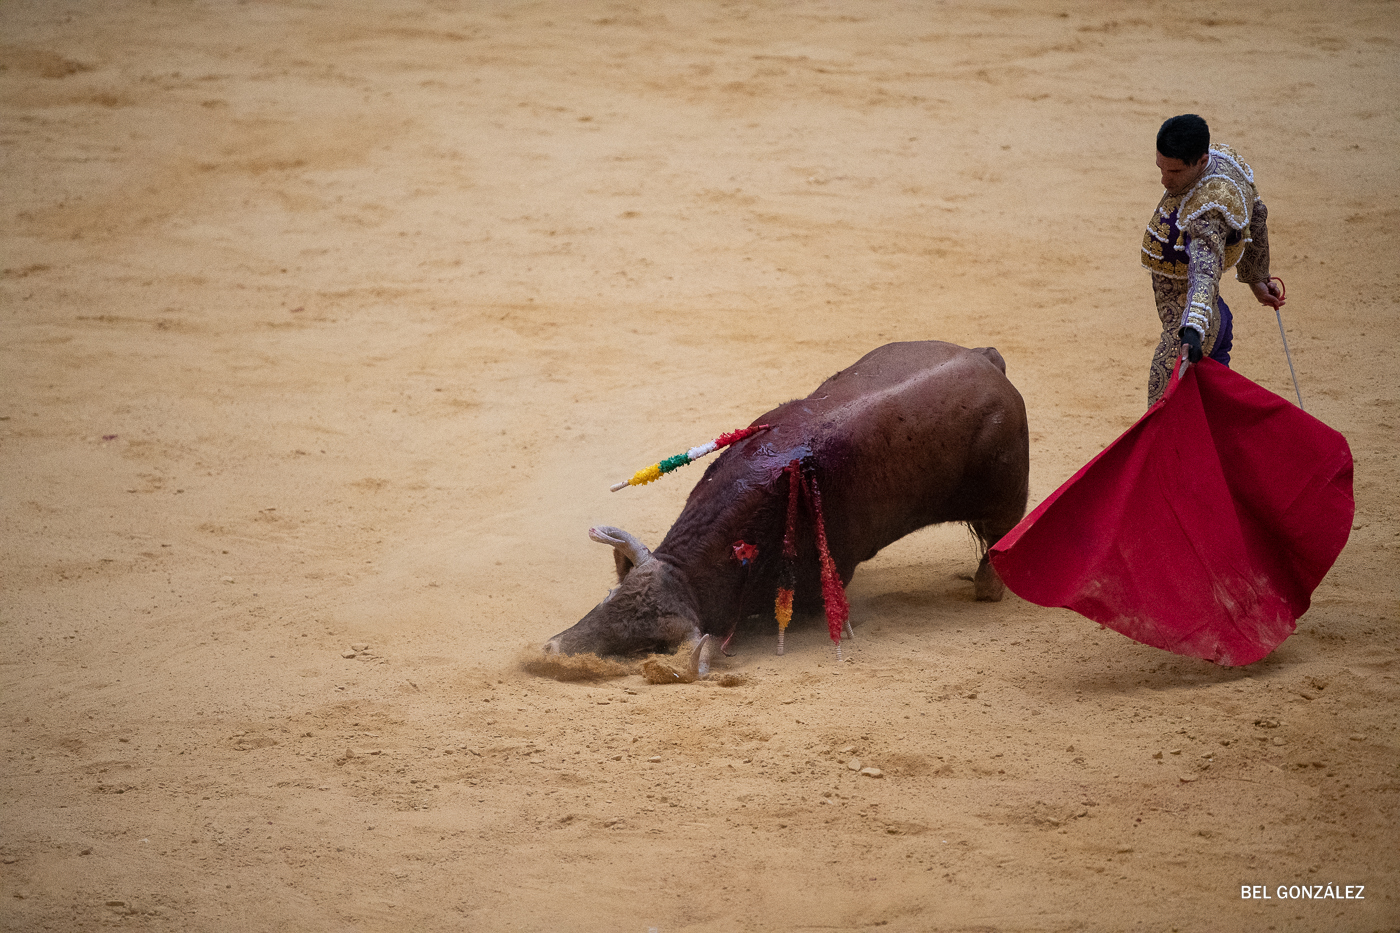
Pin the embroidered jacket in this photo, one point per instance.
(1193, 238)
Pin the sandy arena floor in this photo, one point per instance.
(327, 327)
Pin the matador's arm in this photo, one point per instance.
(1254, 261)
(1205, 252)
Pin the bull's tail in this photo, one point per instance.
(976, 531)
(992, 354)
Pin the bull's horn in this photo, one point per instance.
(700, 659)
(631, 548)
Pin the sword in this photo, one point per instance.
(1289, 356)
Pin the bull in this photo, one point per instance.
(910, 435)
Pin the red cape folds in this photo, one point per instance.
(1203, 530)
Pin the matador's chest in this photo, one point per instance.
(1164, 242)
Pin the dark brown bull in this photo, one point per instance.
(913, 434)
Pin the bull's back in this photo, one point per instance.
(912, 434)
(896, 399)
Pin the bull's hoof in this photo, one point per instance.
(987, 586)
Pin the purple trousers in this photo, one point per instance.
(1225, 337)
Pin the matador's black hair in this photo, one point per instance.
(1185, 137)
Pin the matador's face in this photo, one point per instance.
(1179, 176)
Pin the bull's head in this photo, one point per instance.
(652, 608)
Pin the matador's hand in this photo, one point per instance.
(1269, 293)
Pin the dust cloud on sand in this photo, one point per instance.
(328, 326)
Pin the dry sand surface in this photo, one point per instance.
(327, 327)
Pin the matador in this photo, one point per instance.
(1209, 219)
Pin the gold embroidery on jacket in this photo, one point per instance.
(1226, 188)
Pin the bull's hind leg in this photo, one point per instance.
(1003, 487)
(986, 585)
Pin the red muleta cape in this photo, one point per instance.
(1203, 530)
